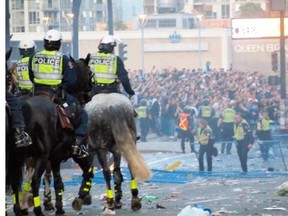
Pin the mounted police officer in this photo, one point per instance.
(22, 138)
(50, 72)
(26, 49)
(108, 68)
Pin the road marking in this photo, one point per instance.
(210, 200)
(168, 158)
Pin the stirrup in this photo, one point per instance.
(22, 139)
(79, 152)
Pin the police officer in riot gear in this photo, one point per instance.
(26, 49)
(50, 72)
(108, 68)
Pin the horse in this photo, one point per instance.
(111, 128)
(52, 144)
(14, 158)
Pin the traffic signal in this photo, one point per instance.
(274, 61)
(123, 51)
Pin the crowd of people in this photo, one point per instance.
(217, 97)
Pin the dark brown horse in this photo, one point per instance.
(52, 144)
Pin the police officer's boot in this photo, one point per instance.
(78, 148)
(22, 139)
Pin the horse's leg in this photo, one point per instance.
(84, 196)
(48, 205)
(36, 180)
(27, 197)
(109, 209)
(135, 201)
(59, 187)
(118, 179)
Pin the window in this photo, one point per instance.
(34, 18)
(150, 24)
(225, 11)
(167, 23)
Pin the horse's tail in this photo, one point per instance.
(126, 143)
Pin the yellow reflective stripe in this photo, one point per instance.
(86, 189)
(109, 194)
(90, 169)
(27, 186)
(133, 184)
(88, 183)
(37, 201)
(61, 192)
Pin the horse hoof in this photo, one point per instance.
(118, 204)
(60, 213)
(87, 200)
(77, 204)
(136, 204)
(48, 206)
(108, 211)
(24, 211)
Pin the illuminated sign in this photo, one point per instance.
(257, 28)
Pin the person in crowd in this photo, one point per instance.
(186, 128)
(50, 72)
(27, 48)
(226, 123)
(244, 139)
(142, 111)
(263, 132)
(206, 111)
(206, 140)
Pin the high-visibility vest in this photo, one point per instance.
(228, 115)
(183, 121)
(142, 111)
(206, 111)
(239, 132)
(264, 124)
(104, 67)
(23, 74)
(200, 135)
(47, 67)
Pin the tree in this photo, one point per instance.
(251, 10)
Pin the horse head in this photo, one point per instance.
(84, 74)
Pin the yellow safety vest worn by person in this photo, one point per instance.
(47, 67)
(203, 133)
(183, 121)
(263, 124)
(142, 111)
(206, 111)
(23, 74)
(240, 130)
(104, 67)
(228, 115)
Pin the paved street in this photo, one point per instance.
(225, 191)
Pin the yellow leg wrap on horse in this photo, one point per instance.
(27, 187)
(37, 201)
(109, 194)
(20, 197)
(133, 184)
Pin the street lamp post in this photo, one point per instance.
(69, 19)
(199, 18)
(142, 19)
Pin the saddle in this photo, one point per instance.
(63, 115)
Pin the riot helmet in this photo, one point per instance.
(26, 47)
(107, 43)
(52, 40)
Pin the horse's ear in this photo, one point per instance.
(87, 59)
(8, 53)
(72, 59)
